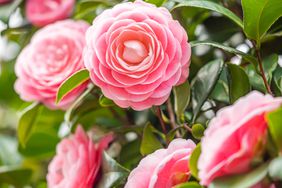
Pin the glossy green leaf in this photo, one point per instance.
(203, 84)
(198, 131)
(193, 162)
(213, 7)
(277, 78)
(274, 120)
(239, 84)
(113, 174)
(259, 16)
(191, 184)
(245, 56)
(9, 174)
(26, 122)
(156, 2)
(181, 98)
(71, 83)
(105, 102)
(274, 169)
(150, 142)
(243, 180)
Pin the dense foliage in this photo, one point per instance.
(235, 60)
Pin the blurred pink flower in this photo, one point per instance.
(4, 1)
(54, 54)
(44, 12)
(235, 136)
(136, 53)
(164, 167)
(77, 162)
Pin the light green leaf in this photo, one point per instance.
(274, 169)
(156, 2)
(259, 16)
(239, 84)
(181, 98)
(245, 56)
(274, 120)
(243, 180)
(26, 122)
(213, 7)
(149, 143)
(193, 162)
(9, 174)
(71, 83)
(191, 184)
(203, 84)
(113, 174)
(105, 102)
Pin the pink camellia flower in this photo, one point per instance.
(235, 136)
(44, 12)
(136, 53)
(4, 1)
(54, 54)
(163, 168)
(77, 162)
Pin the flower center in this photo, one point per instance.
(134, 51)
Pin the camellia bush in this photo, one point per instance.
(141, 94)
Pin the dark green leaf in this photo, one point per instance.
(198, 131)
(150, 142)
(189, 185)
(193, 162)
(181, 98)
(277, 78)
(113, 174)
(105, 102)
(71, 83)
(213, 7)
(10, 174)
(204, 83)
(274, 169)
(243, 180)
(239, 84)
(259, 16)
(26, 122)
(245, 56)
(274, 120)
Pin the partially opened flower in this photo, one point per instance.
(235, 137)
(44, 12)
(77, 162)
(163, 168)
(54, 54)
(136, 53)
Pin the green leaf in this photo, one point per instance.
(71, 83)
(239, 84)
(198, 131)
(277, 78)
(191, 184)
(105, 102)
(213, 7)
(245, 56)
(113, 174)
(193, 162)
(26, 122)
(181, 98)
(15, 175)
(274, 120)
(150, 142)
(259, 16)
(274, 169)
(203, 84)
(243, 180)
(156, 2)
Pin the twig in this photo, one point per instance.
(171, 117)
(262, 70)
(159, 114)
(187, 128)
